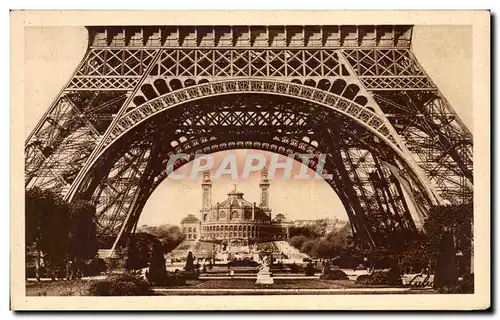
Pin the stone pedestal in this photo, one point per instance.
(264, 276)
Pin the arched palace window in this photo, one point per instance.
(235, 215)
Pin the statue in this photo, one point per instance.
(264, 275)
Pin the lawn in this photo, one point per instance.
(295, 287)
(278, 284)
(58, 288)
(80, 287)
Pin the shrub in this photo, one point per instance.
(114, 263)
(93, 267)
(175, 279)
(100, 288)
(364, 279)
(139, 250)
(310, 269)
(380, 277)
(467, 284)
(451, 289)
(242, 263)
(391, 278)
(295, 268)
(190, 275)
(120, 285)
(334, 275)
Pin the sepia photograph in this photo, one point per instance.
(169, 159)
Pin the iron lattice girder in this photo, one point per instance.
(66, 136)
(439, 141)
(112, 68)
(250, 62)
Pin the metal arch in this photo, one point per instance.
(361, 114)
(205, 142)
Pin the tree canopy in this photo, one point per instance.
(56, 231)
(170, 236)
(139, 250)
(317, 241)
(82, 233)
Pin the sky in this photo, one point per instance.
(52, 53)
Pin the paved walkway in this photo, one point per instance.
(255, 277)
(195, 291)
(100, 277)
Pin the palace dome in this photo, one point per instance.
(190, 219)
(280, 217)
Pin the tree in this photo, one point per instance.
(341, 238)
(139, 250)
(47, 229)
(380, 257)
(307, 231)
(324, 249)
(309, 248)
(319, 227)
(446, 266)
(189, 262)
(170, 236)
(157, 271)
(456, 219)
(297, 241)
(33, 227)
(82, 234)
(415, 258)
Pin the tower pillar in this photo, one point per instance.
(264, 192)
(206, 201)
(253, 211)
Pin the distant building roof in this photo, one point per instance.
(235, 200)
(280, 217)
(190, 219)
(235, 192)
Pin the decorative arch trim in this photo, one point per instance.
(361, 114)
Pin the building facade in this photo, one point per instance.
(330, 223)
(235, 221)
